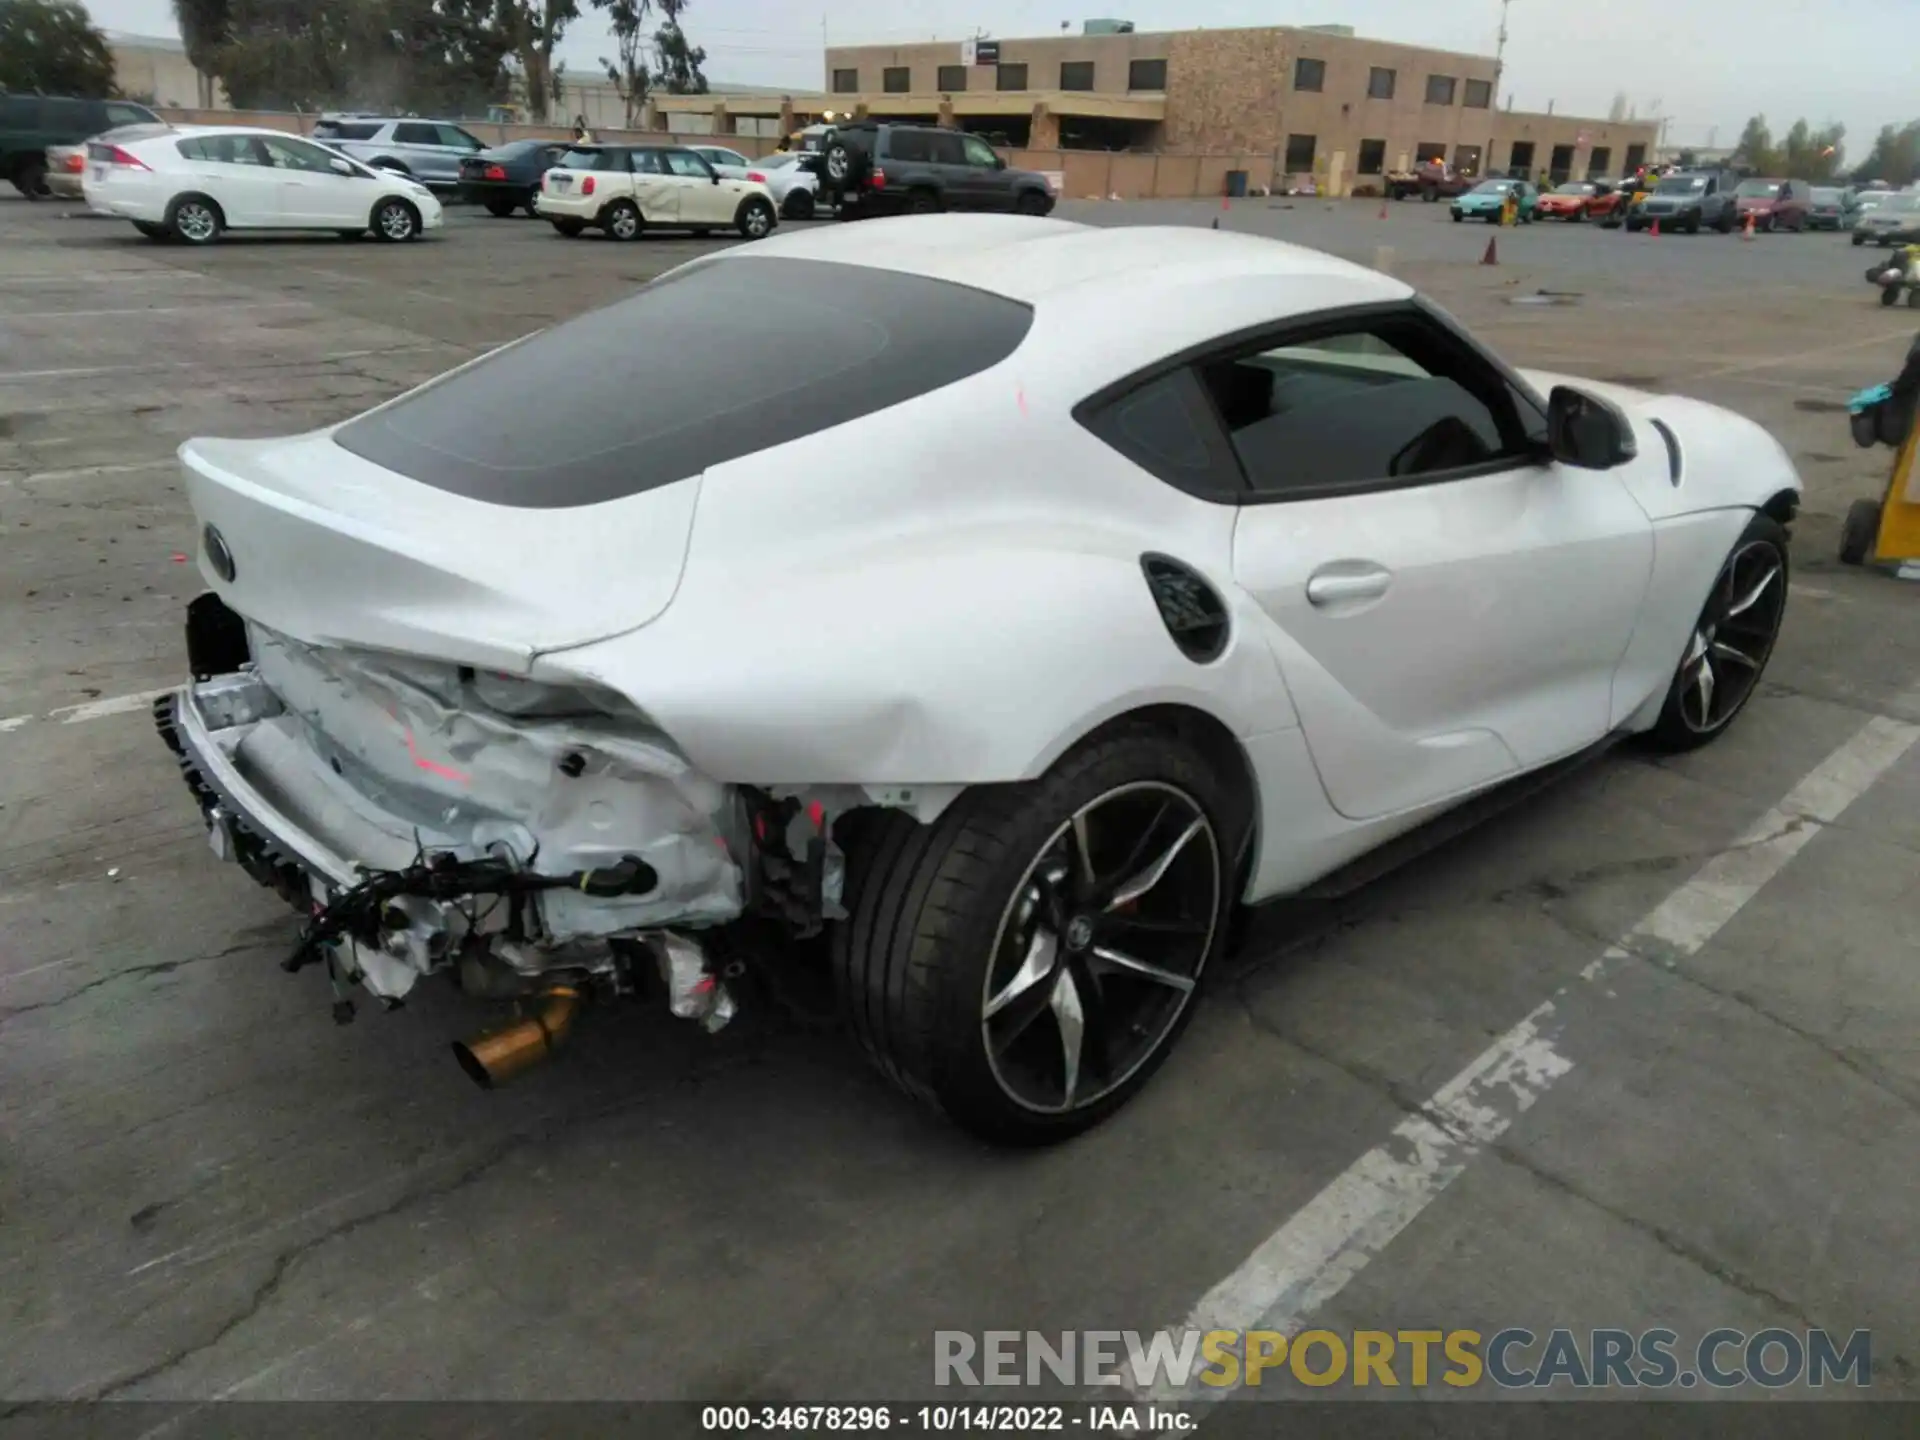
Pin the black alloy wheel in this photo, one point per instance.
(1731, 642)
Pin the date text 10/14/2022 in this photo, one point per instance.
(949, 1419)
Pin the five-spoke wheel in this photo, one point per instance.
(1731, 642)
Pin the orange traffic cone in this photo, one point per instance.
(1656, 229)
(1383, 209)
(1492, 257)
(1747, 233)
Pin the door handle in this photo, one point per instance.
(1333, 586)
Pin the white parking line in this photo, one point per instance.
(90, 710)
(1312, 1257)
(88, 472)
(224, 306)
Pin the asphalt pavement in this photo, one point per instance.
(1671, 1004)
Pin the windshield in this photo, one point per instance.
(1899, 202)
(1758, 189)
(1827, 197)
(1681, 185)
(1574, 187)
(1492, 187)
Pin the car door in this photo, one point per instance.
(704, 198)
(1449, 607)
(655, 188)
(454, 146)
(312, 192)
(235, 171)
(971, 172)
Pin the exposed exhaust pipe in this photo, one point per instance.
(494, 1059)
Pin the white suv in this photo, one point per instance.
(624, 189)
(429, 150)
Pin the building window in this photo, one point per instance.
(1466, 159)
(1146, 75)
(1599, 161)
(1300, 150)
(1373, 156)
(1380, 83)
(896, 79)
(1520, 157)
(1636, 157)
(846, 82)
(1479, 95)
(1560, 167)
(1076, 74)
(1429, 151)
(1010, 77)
(1309, 74)
(1440, 89)
(952, 77)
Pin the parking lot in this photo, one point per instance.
(1678, 997)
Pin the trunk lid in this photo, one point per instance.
(333, 549)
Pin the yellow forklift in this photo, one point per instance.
(1886, 532)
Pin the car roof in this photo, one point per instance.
(1032, 260)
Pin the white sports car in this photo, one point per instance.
(999, 635)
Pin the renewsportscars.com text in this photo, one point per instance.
(1511, 1359)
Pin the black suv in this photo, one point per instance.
(31, 123)
(878, 169)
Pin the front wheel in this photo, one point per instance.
(395, 221)
(1026, 962)
(1731, 642)
(755, 219)
(1859, 240)
(1858, 531)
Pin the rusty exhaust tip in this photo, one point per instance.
(492, 1060)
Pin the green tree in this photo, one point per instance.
(205, 27)
(1755, 150)
(1894, 157)
(678, 70)
(52, 47)
(533, 28)
(628, 69)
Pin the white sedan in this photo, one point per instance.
(625, 190)
(1001, 637)
(795, 191)
(193, 183)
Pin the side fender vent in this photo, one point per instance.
(1193, 613)
(1672, 442)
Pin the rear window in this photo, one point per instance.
(593, 160)
(345, 130)
(682, 376)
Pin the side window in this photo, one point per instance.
(946, 149)
(414, 133)
(647, 162)
(1377, 404)
(224, 150)
(686, 164)
(121, 114)
(980, 153)
(1167, 427)
(458, 139)
(909, 146)
(297, 155)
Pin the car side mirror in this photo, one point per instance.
(340, 167)
(1587, 432)
(999, 161)
(716, 177)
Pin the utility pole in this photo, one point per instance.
(1493, 99)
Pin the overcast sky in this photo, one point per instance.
(1706, 64)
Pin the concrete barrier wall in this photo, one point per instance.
(1087, 174)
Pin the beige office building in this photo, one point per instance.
(1315, 102)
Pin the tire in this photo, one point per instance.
(1693, 226)
(1858, 532)
(932, 934)
(1579, 217)
(755, 219)
(1859, 240)
(845, 165)
(30, 179)
(799, 204)
(569, 228)
(1889, 295)
(1751, 587)
(153, 231)
(501, 208)
(622, 220)
(1724, 224)
(1032, 203)
(395, 221)
(1457, 217)
(923, 202)
(194, 220)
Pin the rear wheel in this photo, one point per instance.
(1031, 203)
(622, 220)
(194, 220)
(1731, 643)
(799, 204)
(1858, 531)
(1027, 961)
(30, 179)
(922, 202)
(569, 228)
(1859, 239)
(500, 208)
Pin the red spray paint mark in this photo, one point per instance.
(422, 762)
(178, 558)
